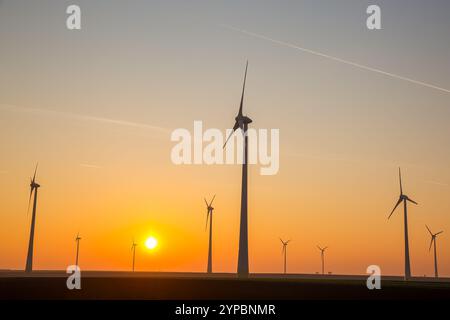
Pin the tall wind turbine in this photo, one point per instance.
(34, 186)
(209, 215)
(433, 241)
(322, 255)
(404, 198)
(242, 122)
(284, 252)
(133, 248)
(77, 240)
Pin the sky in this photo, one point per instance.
(96, 107)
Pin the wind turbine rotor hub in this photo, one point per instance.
(243, 120)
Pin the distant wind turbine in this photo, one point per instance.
(404, 198)
(33, 188)
(242, 122)
(133, 248)
(209, 215)
(322, 255)
(77, 239)
(433, 241)
(284, 252)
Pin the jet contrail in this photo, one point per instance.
(84, 117)
(354, 64)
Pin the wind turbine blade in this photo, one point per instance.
(431, 243)
(206, 202)
(398, 202)
(439, 233)
(400, 179)
(243, 90)
(212, 200)
(429, 230)
(35, 170)
(410, 200)
(236, 126)
(207, 217)
(325, 248)
(320, 248)
(29, 200)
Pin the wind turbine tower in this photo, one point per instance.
(209, 215)
(133, 248)
(405, 199)
(34, 186)
(433, 241)
(322, 255)
(242, 122)
(77, 240)
(284, 252)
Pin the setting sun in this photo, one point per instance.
(151, 243)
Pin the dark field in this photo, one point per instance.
(192, 286)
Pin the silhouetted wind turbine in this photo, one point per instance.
(242, 122)
(284, 252)
(77, 239)
(322, 255)
(433, 241)
(133, 248)
(404, 198)
(209, 215)
(33, 188)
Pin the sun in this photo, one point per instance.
(151, 243)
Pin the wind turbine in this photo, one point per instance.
(77, 239)
(404, 198)
(209, 215)
(322, 255)
(133, 248)
(242, 122)
(34, 186)
(433, 241)
(284, 252)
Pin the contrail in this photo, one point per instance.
(86, 118)
(354, 64)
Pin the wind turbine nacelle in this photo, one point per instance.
(243, 119)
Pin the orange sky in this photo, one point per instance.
(342, 204)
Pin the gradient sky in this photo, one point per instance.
(96, 107)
